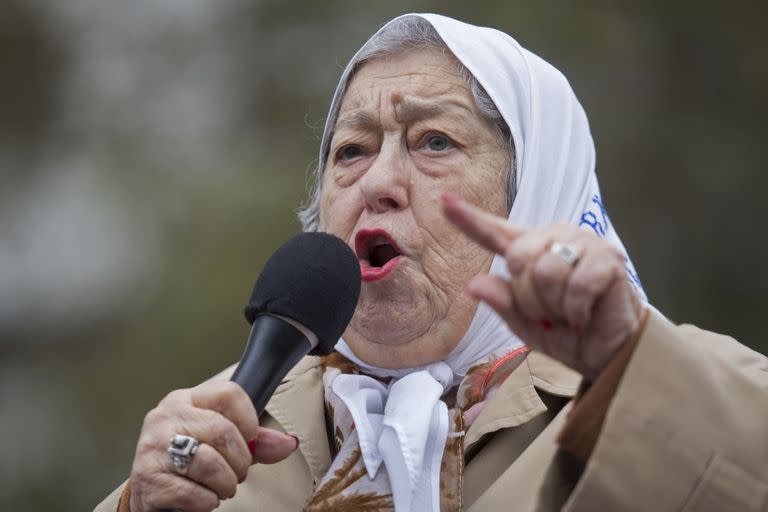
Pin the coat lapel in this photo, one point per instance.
(517, 401)
(298, 405)
(512, 461)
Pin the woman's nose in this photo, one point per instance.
(385, 184)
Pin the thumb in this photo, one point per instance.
(271, 446)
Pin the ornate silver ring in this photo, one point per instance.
(182, 451)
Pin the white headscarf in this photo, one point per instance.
(556, 182)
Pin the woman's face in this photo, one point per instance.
(408, 131)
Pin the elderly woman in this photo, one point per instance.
(453, 386)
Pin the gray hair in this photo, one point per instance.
(407, 33)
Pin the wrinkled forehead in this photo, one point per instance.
(492, 58)
(413, 83)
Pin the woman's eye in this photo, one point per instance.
(437, 142)
(349, 152)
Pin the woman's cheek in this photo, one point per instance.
(439, 167)
(338, 214)
(328, 207)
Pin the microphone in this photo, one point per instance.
(301, 304)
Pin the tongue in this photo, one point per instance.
(382, 254)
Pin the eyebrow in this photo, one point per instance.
(357, 120)
(406, 111)
(409, 109)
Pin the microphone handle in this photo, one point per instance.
(274, 348)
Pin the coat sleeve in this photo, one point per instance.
(686, 430)
(112, 502)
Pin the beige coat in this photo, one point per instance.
(687, 430)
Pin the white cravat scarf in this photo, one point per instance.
(405, 426)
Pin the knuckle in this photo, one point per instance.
(576, 310)
(145, 447)
(220, 433)
(229, 490)
(209, 504)
(580, 288)
(220, 395)
(545, 274)
(208, 466)
(140, 482)
(514, 257)
(175, 396)
(242, 466)
(155, 416)
(192, 501)
(146, 491)
(615, 252)
(587, 233)
(230, 392)
(172, 492)
(212, 473)
(526, 248)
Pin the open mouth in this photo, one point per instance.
(378, 253)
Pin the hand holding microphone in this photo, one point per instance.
(301, 304)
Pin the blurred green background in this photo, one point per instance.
(152, 155)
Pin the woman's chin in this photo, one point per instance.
(392, 318)
(383, 332)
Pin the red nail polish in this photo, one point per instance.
(252, 446)
(545, 324)
(241, 480)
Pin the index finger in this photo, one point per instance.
(231, 401)
(488, 230)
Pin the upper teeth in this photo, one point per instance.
(379, 241)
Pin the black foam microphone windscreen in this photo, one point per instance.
(314, 279)
(301, 303)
